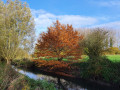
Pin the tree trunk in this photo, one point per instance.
(8, 62)
(60, 59)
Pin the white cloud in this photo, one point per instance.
(113, 25)
(44, 19)
(109, 3)
(77, 20)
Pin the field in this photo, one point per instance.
(113, 58)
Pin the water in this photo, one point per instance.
(62, 83)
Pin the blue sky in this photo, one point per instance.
(79, 13)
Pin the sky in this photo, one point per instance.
(79, 13)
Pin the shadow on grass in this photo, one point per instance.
(100, 69)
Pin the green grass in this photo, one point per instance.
(12, 80)
(105, 69)
(41, 84)
(84, 58)
(114, 58)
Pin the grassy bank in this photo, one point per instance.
(12, 80)
(105, 69)
(114, 58)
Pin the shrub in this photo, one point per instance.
(101, 69)
(112, 50)
(94, 42)
(25, 62)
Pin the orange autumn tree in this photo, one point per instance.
(59, 41)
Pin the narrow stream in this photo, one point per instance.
(61, 83)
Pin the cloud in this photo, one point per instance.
(77, 20)
(109, 3)
(113, 25)
(44, 19)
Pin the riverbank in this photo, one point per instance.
(62, 82)
(103, 73)
(12, 80)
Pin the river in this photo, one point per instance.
(61, 83)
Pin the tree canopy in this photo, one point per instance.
(16, 28)
(95, 42)
(59, 41)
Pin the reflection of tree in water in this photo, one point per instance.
(60, 85)
(45, 77)
(59, 82)
(37, 88)
(65, 85)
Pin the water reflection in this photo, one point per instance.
(63, 84)
(59, 83)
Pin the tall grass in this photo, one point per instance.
(7, 75)
(12, 80)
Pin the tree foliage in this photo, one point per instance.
(59, 41)
(16, 28)
(95, 42)
(53, 65)
(112, 51)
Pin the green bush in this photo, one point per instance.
(94, 42)
(101, 69)
(23, 62)
(112, 50)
